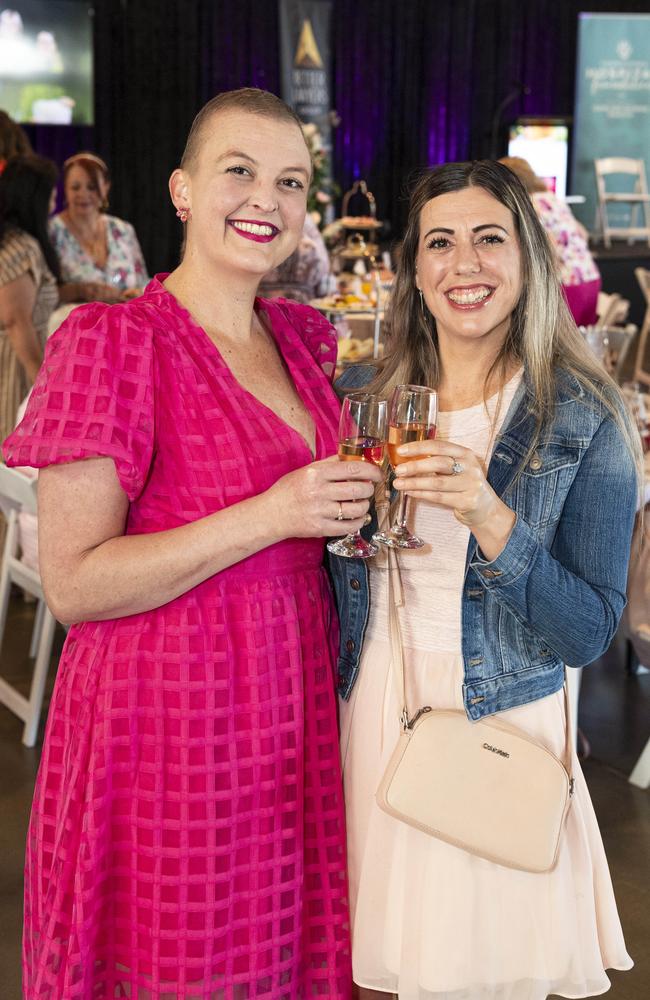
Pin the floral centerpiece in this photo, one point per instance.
(323, 189)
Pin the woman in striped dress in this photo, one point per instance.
(28, 277)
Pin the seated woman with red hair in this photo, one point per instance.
(100, 257)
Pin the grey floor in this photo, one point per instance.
(614, 716)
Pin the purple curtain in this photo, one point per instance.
(416, 82)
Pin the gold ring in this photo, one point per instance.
(339, 516)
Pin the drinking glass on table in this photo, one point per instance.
(412, 417)
(120, 278)
(362, 437)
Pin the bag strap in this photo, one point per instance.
(396, 601)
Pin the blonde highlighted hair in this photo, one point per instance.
(542, 335)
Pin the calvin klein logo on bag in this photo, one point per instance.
(501, 753)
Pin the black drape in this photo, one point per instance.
(415, 82)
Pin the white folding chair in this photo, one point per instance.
(638, 198)
(18, 492)
(612, 309)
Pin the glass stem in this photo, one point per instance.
(400, 517)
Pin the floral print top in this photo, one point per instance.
(568, 238)
(125, 266)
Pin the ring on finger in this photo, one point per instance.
(340, 515)
(456, 468)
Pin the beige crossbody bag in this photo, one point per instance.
(485, 787)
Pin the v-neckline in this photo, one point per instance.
(260, 306)
(98, 267)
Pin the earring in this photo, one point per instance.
(422, 302)
(183, 214)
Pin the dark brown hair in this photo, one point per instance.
(26, 186)
(542, 335)
(13, 139)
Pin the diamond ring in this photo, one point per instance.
(456, 467)
(339, 516)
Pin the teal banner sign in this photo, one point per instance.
(612, 106)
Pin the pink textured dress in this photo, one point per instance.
(187, 836)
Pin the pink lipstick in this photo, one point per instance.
(252, 229)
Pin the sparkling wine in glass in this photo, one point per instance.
(362, 437)
(413, 415)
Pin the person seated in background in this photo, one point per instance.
(99, 254)
(579, 274)
(13, 140)
(306, 274)
(29, 271)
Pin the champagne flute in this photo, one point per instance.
(362, 437)
(413, 414)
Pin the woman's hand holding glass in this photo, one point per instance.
(308, 503)
(444, 473)
(362, 438)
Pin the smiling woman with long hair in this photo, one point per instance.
(187, 838)
(526, 500)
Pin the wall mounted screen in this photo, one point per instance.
(46, 62)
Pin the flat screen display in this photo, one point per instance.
(46, 62)
(545, 144)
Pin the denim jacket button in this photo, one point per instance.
(350, 645)
(354, 583)
(490, 573)
(535, 462)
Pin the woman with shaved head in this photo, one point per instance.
(187, 838)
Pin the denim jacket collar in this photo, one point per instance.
(519, 427)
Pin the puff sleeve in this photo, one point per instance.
(94, 396)
(318, 334)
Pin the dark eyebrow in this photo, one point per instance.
(237, 154)
(476, 229)
(490, 225)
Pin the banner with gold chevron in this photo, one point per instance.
(305, 61)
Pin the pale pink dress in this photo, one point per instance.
(187, 835)
(429, 921)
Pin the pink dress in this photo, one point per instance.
(187, 835)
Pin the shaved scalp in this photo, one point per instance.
(250, 99)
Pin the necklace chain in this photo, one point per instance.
(93, 246)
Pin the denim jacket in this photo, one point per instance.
(555, 594)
